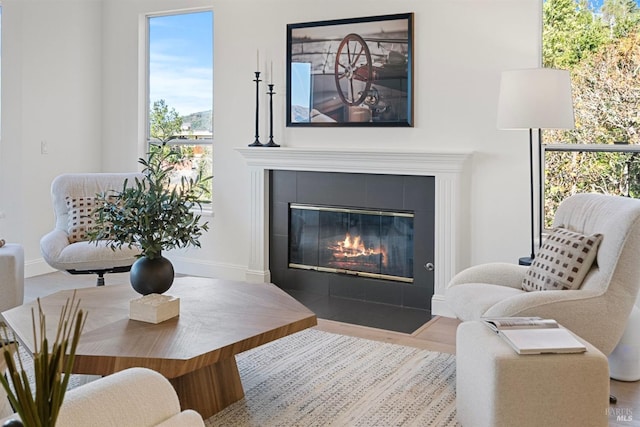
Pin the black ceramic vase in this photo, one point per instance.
(151, 276)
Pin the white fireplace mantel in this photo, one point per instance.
(449, 168)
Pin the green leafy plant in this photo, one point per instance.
(39, 406)
(154, 213)
(165, 123)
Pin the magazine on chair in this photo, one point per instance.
(534, 335)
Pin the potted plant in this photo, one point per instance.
(38, 403)
(156, 213)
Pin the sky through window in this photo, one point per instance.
(181, 61)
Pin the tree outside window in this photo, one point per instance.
(599, 42)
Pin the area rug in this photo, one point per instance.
(316, 378)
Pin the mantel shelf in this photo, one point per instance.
(407, 162)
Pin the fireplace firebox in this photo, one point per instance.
(360, 242)
(346, 200)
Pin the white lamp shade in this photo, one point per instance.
(537, 98)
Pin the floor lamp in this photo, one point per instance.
(536, 98)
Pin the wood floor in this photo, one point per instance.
(436, 335)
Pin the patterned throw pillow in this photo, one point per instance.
(80, 218)
(563, 261)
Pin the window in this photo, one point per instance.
(599, 42)
(180, 91)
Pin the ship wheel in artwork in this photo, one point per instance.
(353, 62)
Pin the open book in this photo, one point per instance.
(534, 335)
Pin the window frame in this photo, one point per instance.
(144, 128)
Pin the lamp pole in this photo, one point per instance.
(540, 189)
(529, 260)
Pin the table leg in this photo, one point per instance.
(210, 389)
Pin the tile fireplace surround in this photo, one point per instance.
(450, 170)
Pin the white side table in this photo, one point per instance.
(11, 276)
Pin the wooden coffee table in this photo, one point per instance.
(195, 351)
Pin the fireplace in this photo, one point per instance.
(359, 242)
(449, 169)
(367, 237)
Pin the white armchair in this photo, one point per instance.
(599, 310)
(66, 248)
(134, 397)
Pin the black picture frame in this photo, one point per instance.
(355, 72)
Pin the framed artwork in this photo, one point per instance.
(351, 72)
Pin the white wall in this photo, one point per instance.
(460, 48)
(51, 92)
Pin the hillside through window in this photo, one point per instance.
(180, 91)
(598, 41)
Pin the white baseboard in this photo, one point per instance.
(439, 307)
(258, 276)
(182, 265)
(197, 267)
(37, 267)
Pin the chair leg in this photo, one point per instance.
(100, 281)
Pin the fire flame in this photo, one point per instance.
(354, 247)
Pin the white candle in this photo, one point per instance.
(271, 75)
(257, 60)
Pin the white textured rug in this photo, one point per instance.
(316, 378)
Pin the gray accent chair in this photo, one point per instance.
(84, 257)
(599, 311)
